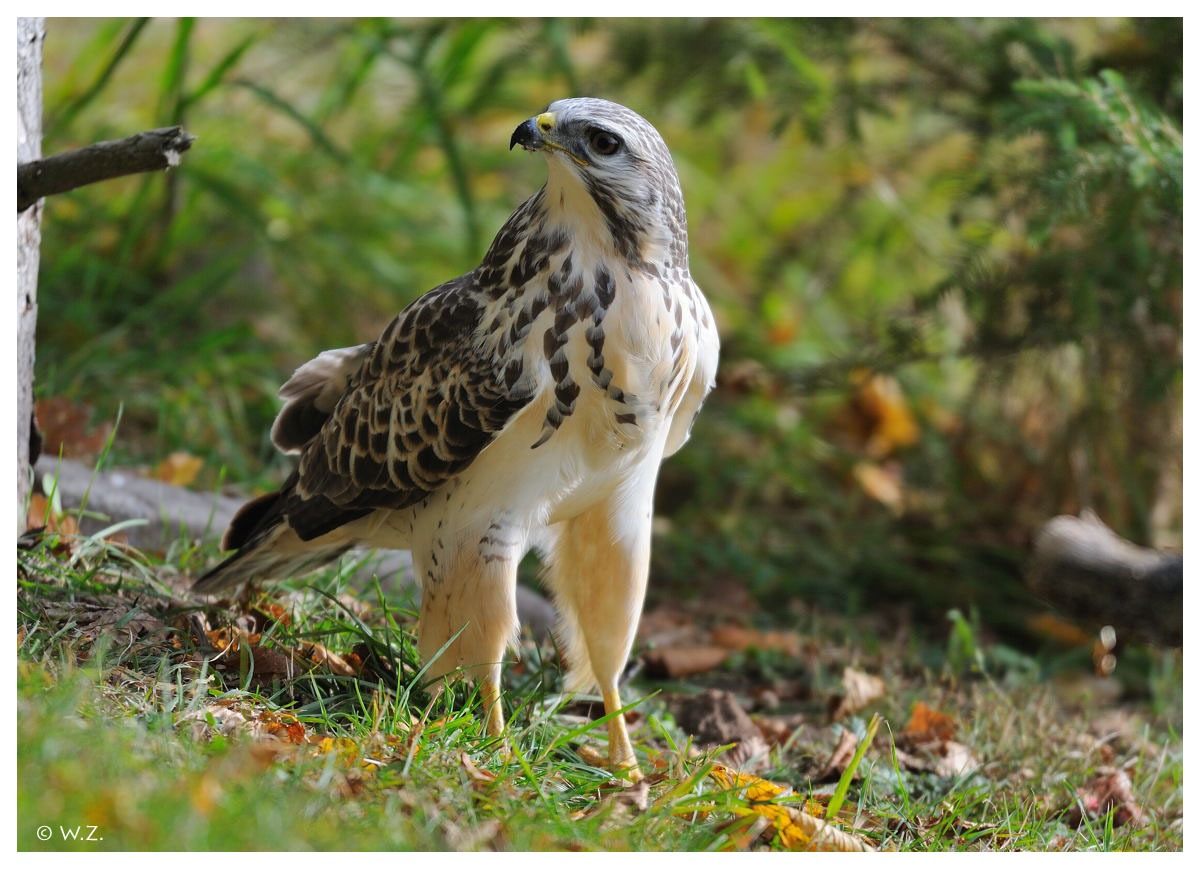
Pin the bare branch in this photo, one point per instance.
(144, 152)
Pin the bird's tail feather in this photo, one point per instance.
(279, 554)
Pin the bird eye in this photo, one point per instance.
(605, 144)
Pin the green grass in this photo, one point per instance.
(128, 723)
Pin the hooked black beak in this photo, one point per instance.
(527, 136)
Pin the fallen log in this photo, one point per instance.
(1094, 577)
(168, 512)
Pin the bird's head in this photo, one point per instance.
(612, 156)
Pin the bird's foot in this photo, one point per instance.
(621, 759)
(626, 769)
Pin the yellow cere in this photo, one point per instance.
(545, 122)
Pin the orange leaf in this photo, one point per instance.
(56, 523)
(731, 636)
(219, 637)
(276, 612)
(285, 726)
(1064, 632)
(928, 725)
(65, 428)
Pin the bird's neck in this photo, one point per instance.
(601, 221)
(569, 207)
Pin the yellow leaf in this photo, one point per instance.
(881, 400)
(796, 828)
(179, 469)
(339, 745)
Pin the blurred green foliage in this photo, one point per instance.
(987, 211)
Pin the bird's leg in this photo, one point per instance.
(470, 590)
(489, 694)
(598, 572)
(620, 749)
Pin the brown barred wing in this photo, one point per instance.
(427, 400)
(311, 394)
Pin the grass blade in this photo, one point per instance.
(81, 102)
(275, 101)
(843, 785)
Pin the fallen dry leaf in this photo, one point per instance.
(796, 828)
(861, 689)
(737, 638)
(284, 726)
(226, 720)
(926, 724)
(884, 483)
(475, 774)
(1109, 790)
(271, 612)
(342, 746)
(842, 754)
(318, 654)
(272, 662)
(680, 661)
(880, 401)
(42, 515)
(105, 614)
(926, 744)
(954, 759)
(178, 469)
(219, 638)
(715, 718)
(777, 729)
(66, 428)
(666, 624)
(280, 661)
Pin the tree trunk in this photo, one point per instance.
(31, 32)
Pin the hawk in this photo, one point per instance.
(526, 404)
